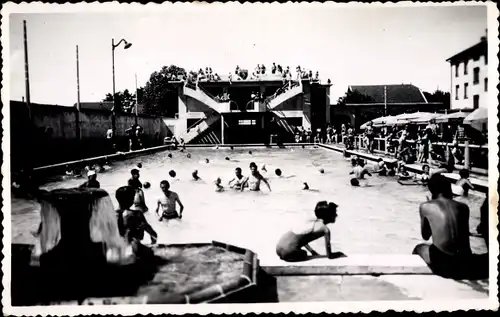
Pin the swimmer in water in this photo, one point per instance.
(422, 179)
(168, 202)
(403, 174)
(188, 155)
(253, 181)
(218, 187)
(238, 179)
(306, 186)
(195, 175)
(169, 155)
(291, 244)
(463, 185)
(380, 167)
(263, 168)
(207, 161)
(359, 171)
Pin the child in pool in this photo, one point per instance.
(289, 247)
(403, 174)
(463, 185)
(238, 179)
(218, 187)
(380, 167)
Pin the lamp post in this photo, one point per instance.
(113, 110)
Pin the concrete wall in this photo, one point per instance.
(54, 135)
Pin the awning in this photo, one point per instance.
(478, 119)
(381, 121)
(451, 117)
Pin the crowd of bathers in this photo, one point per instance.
(443, 219)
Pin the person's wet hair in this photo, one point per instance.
(232, 147)
(207, 160)
(354, 162)
(438, 184)
(425, 166)
(361, 162)
(188, 155)
(139, 165)
(252, 164)
(172, 173)
(325, 210)
(195, 174)
(125, 196)
(227, 158)
(165, 183)
(464, 173)
(238, 169)
(354, 182)
(134, 171)
(322, 171)
(169, 155)
(250, 152)
(147, 185)
(278, 172)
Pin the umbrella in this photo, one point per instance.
(377, 122)
(424, 117)
(456, 116)
(478, 119)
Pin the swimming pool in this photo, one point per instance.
(381, 218)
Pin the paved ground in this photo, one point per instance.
(370, 288)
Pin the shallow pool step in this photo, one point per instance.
(351, 265)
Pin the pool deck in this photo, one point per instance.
(367, 277)
(480, 185)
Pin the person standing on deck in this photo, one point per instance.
(253, 181)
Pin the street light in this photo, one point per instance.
(113, 110)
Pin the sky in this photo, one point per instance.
(349, 45)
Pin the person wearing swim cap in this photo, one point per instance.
(168, 202)
(253, 181)
(290, 245)
(92, 181)
(238, 179)
(172, 173)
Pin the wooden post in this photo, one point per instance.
(222, 127)
(467, 155)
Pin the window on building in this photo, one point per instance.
(466, 66)
(456, 70)
(247, 122)
(466, 87)
(457, 88)
(476, 101)
(486, 84)
(476, 75)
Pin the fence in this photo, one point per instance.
(473, 155)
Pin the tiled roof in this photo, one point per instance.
(476, 50)
(395, 93)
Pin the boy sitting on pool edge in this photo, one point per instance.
(289, 247)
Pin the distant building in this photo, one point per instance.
(469, 77)
(364, 103)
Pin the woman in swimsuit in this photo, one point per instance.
(290, 245)
(253, 181)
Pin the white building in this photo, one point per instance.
(469, 77)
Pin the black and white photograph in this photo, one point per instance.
(257, 157)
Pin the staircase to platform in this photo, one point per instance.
(202, 125)
(198, 93)
(292, 89)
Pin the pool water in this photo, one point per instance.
(379, 218)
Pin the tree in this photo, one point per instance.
(159, 96)
(354, 96)
(439, 96)
(124, 101)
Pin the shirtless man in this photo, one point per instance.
(168, 203)
(253, 181)
(360, 170)
(447, 222)
(238, 179)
